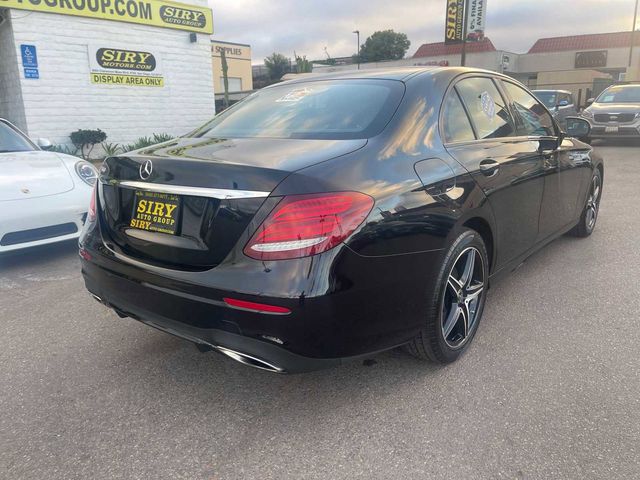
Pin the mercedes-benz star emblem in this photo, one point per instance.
(145, 170)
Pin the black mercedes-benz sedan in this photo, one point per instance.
(333, 217)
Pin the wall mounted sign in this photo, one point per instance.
(593, 59)
(126, 66)
(159, 13)
(30, 61)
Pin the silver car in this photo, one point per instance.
(559, 102)
(615, 113)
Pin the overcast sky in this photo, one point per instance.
(307, 26)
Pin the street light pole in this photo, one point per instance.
(463, 54)
(633, 32)
(357, 32)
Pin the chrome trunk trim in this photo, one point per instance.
(219, 193)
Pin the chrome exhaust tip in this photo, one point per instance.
(249, 360)
(97, 298)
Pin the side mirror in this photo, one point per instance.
(44, 143)
(590, 101)
(563, 103)
(577, 127)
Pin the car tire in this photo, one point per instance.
(589, 215)
(439, 340)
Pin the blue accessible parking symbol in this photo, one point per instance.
(29, 61)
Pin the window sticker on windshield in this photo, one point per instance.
(608, 98)
(487, 105)
(295, 95)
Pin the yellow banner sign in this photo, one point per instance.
(159, 13)
(126, 80)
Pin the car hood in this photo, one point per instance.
(614, 108)
(25, 175)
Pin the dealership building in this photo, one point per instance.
(129, 67)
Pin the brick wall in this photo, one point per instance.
(11, 106)
(64, 99)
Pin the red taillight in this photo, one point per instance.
(303, 225)
(91, 214)
(256, 307)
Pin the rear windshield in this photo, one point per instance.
(622, 94)
(344, 109)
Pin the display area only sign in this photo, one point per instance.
(125, 66)
(160, 13)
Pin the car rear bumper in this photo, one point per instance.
(370, 312)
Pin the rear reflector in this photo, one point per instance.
(91, 214)
(304, 225)
(256, 307)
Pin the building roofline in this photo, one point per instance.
(230, 43)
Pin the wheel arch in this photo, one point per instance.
(483, 227)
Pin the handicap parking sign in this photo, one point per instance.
(29, 56)
(30, 61)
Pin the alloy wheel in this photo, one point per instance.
(593, 203)
(462, 296)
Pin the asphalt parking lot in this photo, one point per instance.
(550, 388)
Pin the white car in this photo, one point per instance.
(44, 196)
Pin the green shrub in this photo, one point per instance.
(143, 142)
(111, 149)
(66, 149)
(85, 140)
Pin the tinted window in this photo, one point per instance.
(550, 99)
(486, 107)
(337, 109)
(531, 117)
(455, 122)
(12, 141)
(567, 97)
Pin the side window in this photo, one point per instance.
(486, 107)
(455, 122)
(568, 98)
(531, 117)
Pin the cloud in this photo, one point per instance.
(307, 26)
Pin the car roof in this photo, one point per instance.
(398, 73)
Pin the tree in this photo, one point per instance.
(85, 140)
(277, 64)
(384, 45)
(302, 64)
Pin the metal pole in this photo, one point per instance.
(633, 32)
(463, 54)
(357, 32)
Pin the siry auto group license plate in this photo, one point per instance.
(156, 212)
(611, 129)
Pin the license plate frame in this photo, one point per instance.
(159, 213)
(611, 129)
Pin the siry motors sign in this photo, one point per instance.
(454, 25)
(125, 67)
(159, 13)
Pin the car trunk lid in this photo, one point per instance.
(213, 187)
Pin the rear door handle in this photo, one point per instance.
(489, 167)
